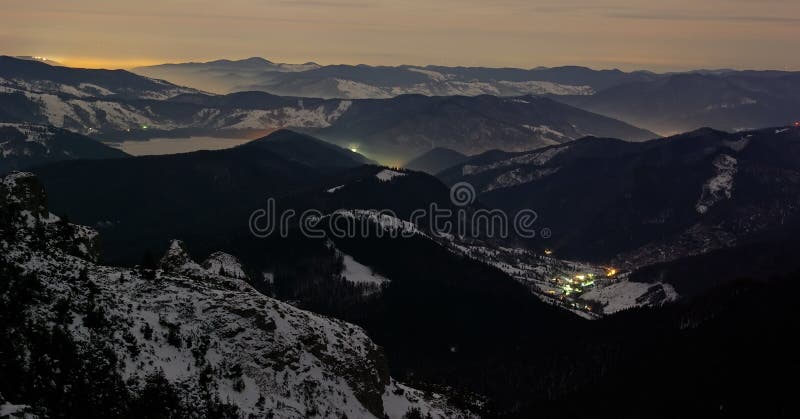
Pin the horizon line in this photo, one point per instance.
(132, 64)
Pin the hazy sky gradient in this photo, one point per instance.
(627, 34)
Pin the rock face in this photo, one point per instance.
(207, 332)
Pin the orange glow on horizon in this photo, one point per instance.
(105, 63)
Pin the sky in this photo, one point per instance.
(669, 35)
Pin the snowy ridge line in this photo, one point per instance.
(612, 293)
(383, 219)
(89, 90)
(444, 85)
(96, 115)
(536, 157)
(386, 175)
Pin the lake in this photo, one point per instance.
(157, 146)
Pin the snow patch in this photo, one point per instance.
(387, 175)
(14, 410)
(535, 158)
(719, 186)
(626, 294)
(518, 177)
(360, 274)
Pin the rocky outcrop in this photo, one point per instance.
(204, 329)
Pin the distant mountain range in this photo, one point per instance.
(391, 130)
(665, 103)
(724, 100)
(397, 128)
(368, 82)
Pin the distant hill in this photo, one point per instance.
(373, 82)
(38, 77)
(406, 126)
(26, 145)
(436, 160)
(391, 130)
(307, 150)
(730, 101)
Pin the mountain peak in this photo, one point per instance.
(177, 260)
(256, 60)
(705, 132)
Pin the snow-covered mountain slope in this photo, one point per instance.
(208, 333)
(438, 85)
(23, 145)
(98, 115)
(636, 204)
(627, 294)
(585, 289)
